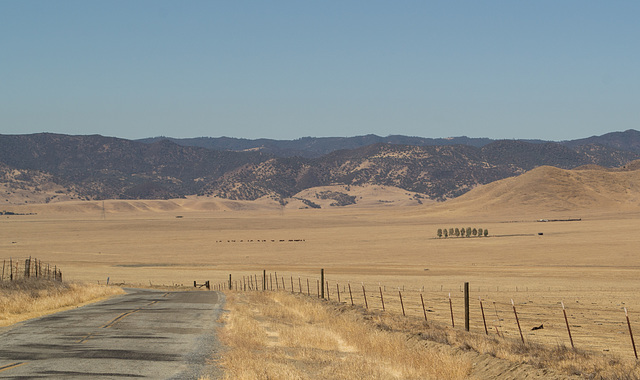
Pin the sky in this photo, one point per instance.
(552, 70)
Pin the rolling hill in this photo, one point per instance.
(550, 189)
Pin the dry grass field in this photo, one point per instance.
(30, 298)
(592, 265)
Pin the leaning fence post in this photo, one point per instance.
(308, 290)
(350, 295)
(517, 320)
(328, 296)
(453, 324)
(424, 311)
(483, 319)
(299, 285)
(366, 305)
(633, 343)
(401, 303)
(381, 297)
(567, 322)
(338, 288)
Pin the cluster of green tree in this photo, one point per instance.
(462, 232)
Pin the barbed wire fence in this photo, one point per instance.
(14, 269)
(508, 313)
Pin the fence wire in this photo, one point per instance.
(14, 269)
(593, 327)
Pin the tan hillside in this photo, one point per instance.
(551, 189)
(356, 196)
(132, 207)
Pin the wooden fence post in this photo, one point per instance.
(567, 322)
(230, 283)
(350, 295)
(453, 324)
(308, 290)
(277, 286)
(633, 343)
(264, 280)
(424, 311)
(322, 282)
(466, 306)
(328, 297)
(292, 291)
(517, 320)
(484, 321)
(381, 298)
(338, 288)
(401, 303)
(366, 305)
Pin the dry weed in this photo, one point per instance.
(561, 359)
(280, 336)
(30, 298)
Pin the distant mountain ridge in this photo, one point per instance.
(98, 167)
(628, 140)
(312, 147)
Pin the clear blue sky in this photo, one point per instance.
(287, 69)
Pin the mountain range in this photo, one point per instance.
(311, 147)
(98, 167)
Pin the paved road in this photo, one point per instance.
(143, 334)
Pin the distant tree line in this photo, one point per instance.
(462, 232)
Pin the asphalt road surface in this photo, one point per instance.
(143, 334)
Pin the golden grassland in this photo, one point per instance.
(30, 298)
(592, 265)
(594, 261)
